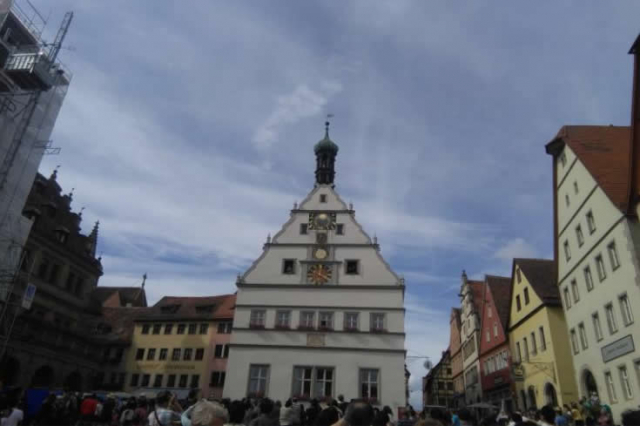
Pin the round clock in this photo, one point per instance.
(318, 274)
(320, 253)
(322, 220)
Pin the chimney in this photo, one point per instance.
(634, 181)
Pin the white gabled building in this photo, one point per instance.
(597, 242)
(320, 313)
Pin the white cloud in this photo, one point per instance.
(517, 247)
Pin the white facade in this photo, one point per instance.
(470, 340)
(596, 240)
(341, 333)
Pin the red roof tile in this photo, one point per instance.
(209, 307)
(541, 274)
(500, 288)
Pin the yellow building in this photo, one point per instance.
(540, 346)
(181, 343)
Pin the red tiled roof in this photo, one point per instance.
(220, 307)
(136, 296)
(500, 288)
(455, 312)
(121, 321)
(541, 274)
(477, 289)
(604, 151)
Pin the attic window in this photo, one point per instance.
(563, 159)
(62, 234)
(204, 309)
(323, 198)
(169, 309)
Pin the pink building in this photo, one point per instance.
(219, 346)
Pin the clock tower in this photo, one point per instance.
(320, 313)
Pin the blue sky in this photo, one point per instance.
(189, 126)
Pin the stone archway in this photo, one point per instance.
(531, 393)
(43, 377)
(550, 395)
(9, 371)
(73, 381)
(589, 384)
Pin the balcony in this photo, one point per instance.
(30, 70)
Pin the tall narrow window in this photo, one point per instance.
(489, 312)
(323, 386)
(488, 336)
(163, 354)
(187, 354)
(575, 186)
(156, 328)
(567, 251)
(288, 266)
(583, 336)
(307, 320)
(224, 327)
(543, 341)
(157, 381)
(377, 322)
(369, 384)
(171, 380)
(323, 198)
(351, 321)
(183, 381)
(495, 329)
(574, 290)
(624, 381)
(566, 199)
(591, 223)
(611, 319)
(526, 296)
(302, 379)
(518, 304)
(151, 354)
(168, 328)
(258, 378)
(625, 308)
(326, 320)
(145, 328)
(352, 267)
(304, 228)
(283, 319)
(518, 275)
(518, 352)
(195, 381)
(574, 341)
(579, 236)
(567, 298)
(339, 229)
(597, 328)
(613, 255)
(610, 387)
(588, 278)
(525, 347)
(192, 328)
(257, 319)
(175, 355)
(534, 345)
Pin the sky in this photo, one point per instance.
(188, 131)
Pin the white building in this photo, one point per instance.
(471, 299)
(597, 238)
(320, 313)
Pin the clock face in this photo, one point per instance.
(322, 221)
(320, 253)
(318, 274)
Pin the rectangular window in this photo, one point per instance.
(184, 379)
(579, 236)
(171, 380)
(611, 319)
(163, 354)
(199, 354)
(181, 328)
(351, 321)
(563, 159)
(518, 275)
(258, 380)
(53, 276)
(139, 354)
(591, 223)
(195, 381)
(352, 267)
(145, 328)
(574, 341)
(525, 347)
(288, 266)
(566, 198)
(574, 291)
(157, 328)
(224, 327)
(624, 382)
(151, 354)
(283, 319)
(369, 384)
(567, 251)
(146, 378)
(168, 328)
(302, 378)
(613, 255)
(221, 351)
(488, 336)
(187, 354)
(323, 198)
(175, 355)
(304, 228)
(217, 379)
(257, 318)
(204, 328)
(495, 329)
(588, 278)
(597, 328)
(575, 186)
(613, 397)
(307, 319)
(583, 336)
(534, 344)
(489, 312)
(625, 308)
(567, 298)
(526, 296)
(157, 381)
(193, 328)
(377, 322)
(518, 304)
(518, 352)
(323, 386)
(326, 321)
(134, 380)
(339, 229)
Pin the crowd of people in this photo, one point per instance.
(166, 410)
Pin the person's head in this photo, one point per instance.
(194, 395)
(314, 403)
(465, 415)
(207, 413)
(631, 418)
(359, 414)
(327, 417)
(548, 414)
(163, 398)
(266, 406)
(295, 400)
(237, 411)
(603, 411)
(288, 403)
(341, 398)
(387, 410)
(278, 404)
(516, 417)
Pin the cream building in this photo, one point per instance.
(471, 300)
(320, 313)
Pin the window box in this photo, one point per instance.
(378, 330)
(372, 401)
(256, 326)
(255, 394)
(302, 397)
(306, 327)
(282, 327)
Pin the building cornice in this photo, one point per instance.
(317, 348)
(335, 307)
(306, 331)
(322, 287)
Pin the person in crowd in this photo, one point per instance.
(141, 414)
(440, 415)
(605, 418)
(285, 413)
(208, 413)
(357, 414)
(342, 404)
(167, 410)
(275, 413)
(312, 412)
(46, 415)
(455, 420)
(236, 413)
(560, 418)
(15, 416)
(264, 419)
(466, 417)
(328, 416)
(576, 415)
(548, 416)
(631, 418)
(128, 414)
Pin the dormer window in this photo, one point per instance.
(62, 234)
(323, 198)
(339, 229)
(289, 266)
(563, 159)
(205, 309)
(170, 309)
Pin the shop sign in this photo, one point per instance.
(618, 348)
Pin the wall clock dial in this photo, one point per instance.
(322, 221)
(320, 253)
(318, 274)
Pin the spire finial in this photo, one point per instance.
(326, 126)
(54, 175)
(81, 210)
(269, 238)
(144, 279)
